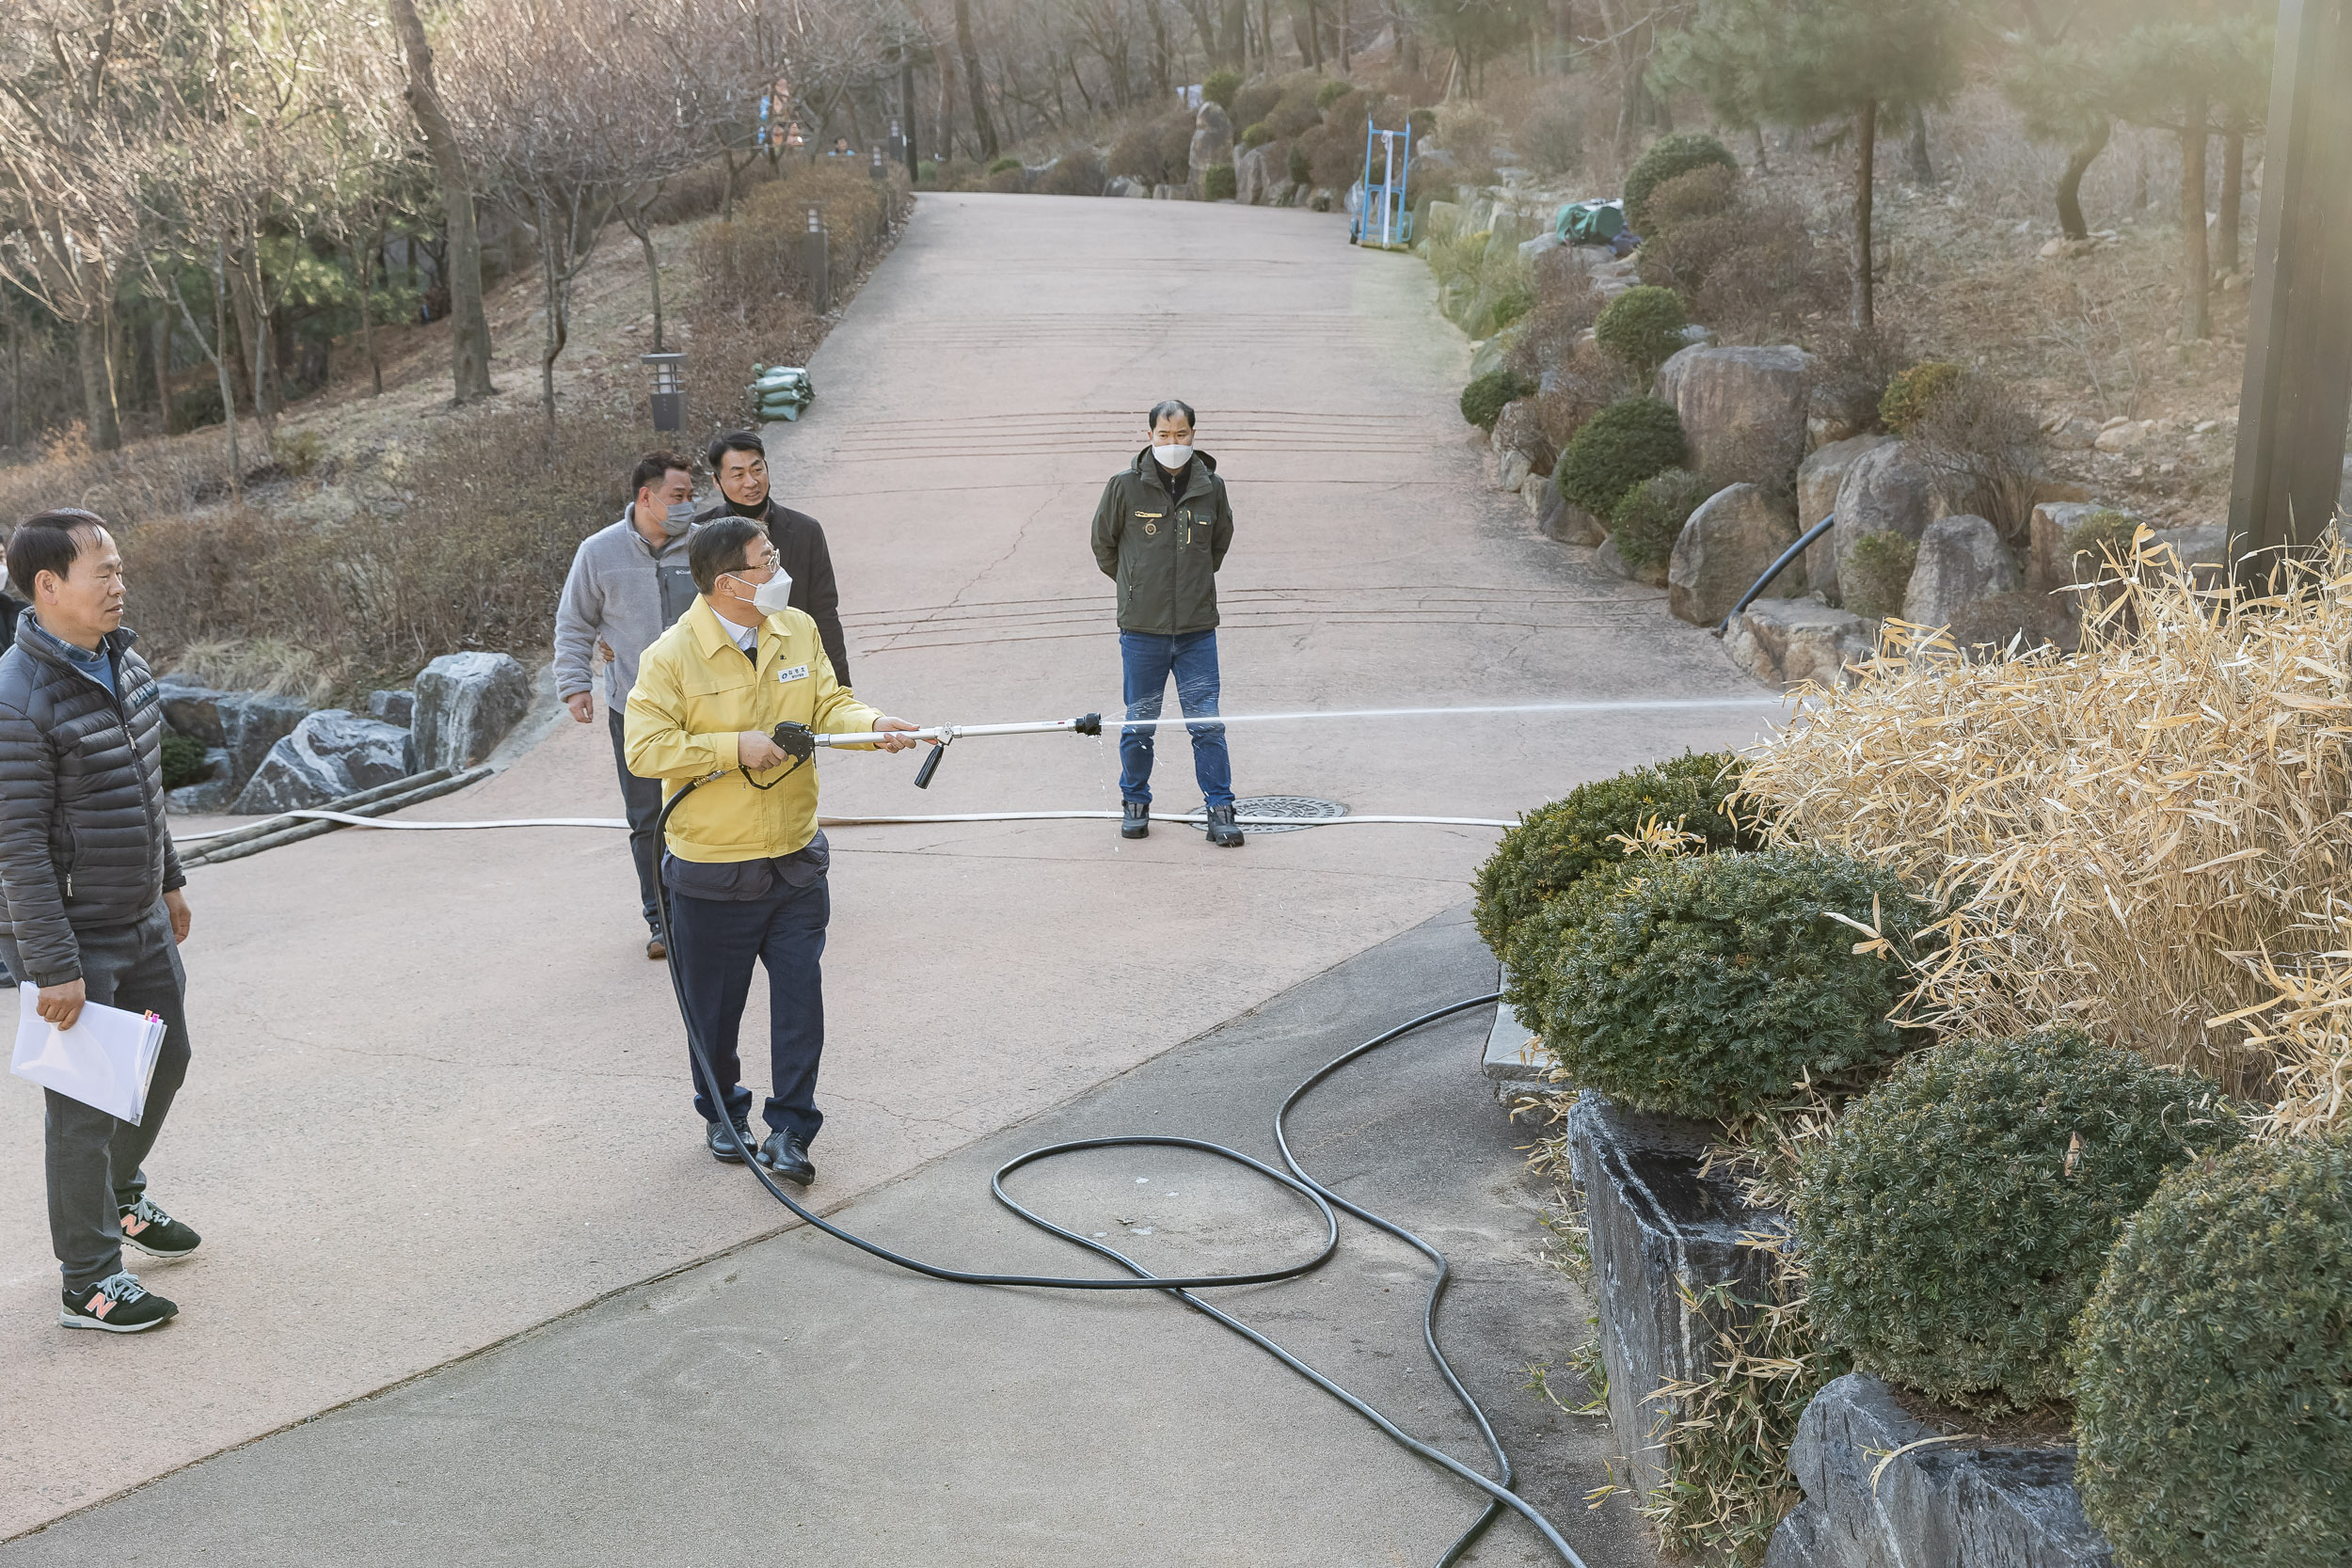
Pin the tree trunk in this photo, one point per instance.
(558, 329)
(2070, 185)
(98, 383)
(2225, 252)
(1865, 137)
(363, 271)
(1922, 166)
(906, 107)
(220, 363)
(470, 329)
(160, 339)
(1346, 55)
(2196, 318)
(982, 125)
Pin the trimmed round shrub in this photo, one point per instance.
(1642, 326)
(2212, 1391)
(1484, 398)
(1218, 182)
(1300, 164)
(1876, 574)
(1332, 92)
(1624, 444)
(184, 761)
(1958, 1217)
(2099, 534)
(1649, 519)
(1257, 134)
(1220, 87)
(1556, 845)
(1004, 165)
(1910, 394)
(1704, 192)
(1422, 124)
(1712, 985)
(1667, 157)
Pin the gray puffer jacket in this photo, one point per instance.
(83, 843)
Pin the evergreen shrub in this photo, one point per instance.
(2213, 1392)
(1666, 157)
(1004, 165)
(1713, 985)
(1876, 574)
(1218, 182)
(1220, 88)
(1332, 92)
(1300, 164)
(1708, 191)
(184, 761)
(2099, 533)
(1957, 1218)
(1624, 444)
(1257, 134)
(1642, 326)
(1556, 845)
(1483, 400)
(1649, 519)
(1910, 394)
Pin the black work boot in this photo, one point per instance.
(1223, 833)
(1135, 819)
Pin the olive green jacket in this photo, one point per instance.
(1163, 556)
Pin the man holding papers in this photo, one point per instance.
(90, 907)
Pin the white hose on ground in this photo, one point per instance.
(1194, 820)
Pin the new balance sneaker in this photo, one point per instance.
(118, 1303)
(156, 1233)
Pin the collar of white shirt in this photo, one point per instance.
(746, 638)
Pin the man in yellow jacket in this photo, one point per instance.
(744, 865)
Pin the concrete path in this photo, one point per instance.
(438, 1095)
(796, 1403)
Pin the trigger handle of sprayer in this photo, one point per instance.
(797, 741)
(931, 763)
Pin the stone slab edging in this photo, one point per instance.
(1660, 1230)
(1874, 1500)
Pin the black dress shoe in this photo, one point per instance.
(1135, 819)
(782, 1154)
(1223, 833)
(724, 1147)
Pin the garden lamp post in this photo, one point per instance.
(668, 389)
(2299, 341)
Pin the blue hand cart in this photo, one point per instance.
(1384, 219)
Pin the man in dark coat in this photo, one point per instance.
(90, 906)
(739, 461)
(1161, 532)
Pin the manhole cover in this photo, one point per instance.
(1306, 808)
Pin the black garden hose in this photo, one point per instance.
(1294, 1178)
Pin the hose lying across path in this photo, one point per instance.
(350, 819)
(1294, 1177)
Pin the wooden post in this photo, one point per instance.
(2298, 341)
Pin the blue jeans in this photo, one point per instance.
(1148, 661)
(715, 943)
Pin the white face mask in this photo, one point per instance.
(1172, 458)
(772, 595)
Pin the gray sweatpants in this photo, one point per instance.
(93, 1159)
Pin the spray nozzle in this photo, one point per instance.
(1087, 723)
(797, 741)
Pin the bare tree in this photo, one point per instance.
(469, 340)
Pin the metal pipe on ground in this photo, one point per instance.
(213, 855)
(349, 802)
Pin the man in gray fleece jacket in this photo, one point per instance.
(627, 583)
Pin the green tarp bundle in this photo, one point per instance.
(780, 391)
(1590, 222)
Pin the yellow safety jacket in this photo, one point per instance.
(696, 692)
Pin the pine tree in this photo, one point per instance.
(1801, 62)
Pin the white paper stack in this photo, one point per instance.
(106, 1060)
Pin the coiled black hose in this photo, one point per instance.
(1498, 1491)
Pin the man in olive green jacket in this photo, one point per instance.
(1162, 532)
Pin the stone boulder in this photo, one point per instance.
(1728, 544)
(1571, 524)
(2204, 549)
(1517, 429)
(1885, 490)
(1784, 641)
(2050, 567)
(1124, 188)
(1742, 410)
(1212, 144)
(393, 707)
(1253, 177)
(1884, 1489)
(331, 753)
(245, 724)
(1962, 563)
(211, 793)
(466, 703)
(1818, 478)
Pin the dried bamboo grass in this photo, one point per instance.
(2141, 837)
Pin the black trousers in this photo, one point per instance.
(640, 802)
(715, 942)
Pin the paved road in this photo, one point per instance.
(795, 1403)
(437, 1096)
